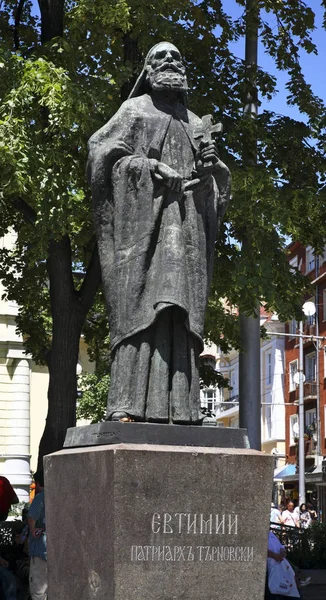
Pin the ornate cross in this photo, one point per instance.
(207, 132)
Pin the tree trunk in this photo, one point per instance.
(52, 12)
(69, 309)
(62, 391)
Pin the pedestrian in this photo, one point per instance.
(279, 577)
(38, 582)
(305, 517)
(289, 517)
(285, 578)
(312, 511)
(275, 517)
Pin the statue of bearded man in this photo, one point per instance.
(158, 195)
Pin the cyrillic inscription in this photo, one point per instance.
(195, 523)
(192, 524)
(192, 553)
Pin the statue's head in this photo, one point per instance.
(165, 69)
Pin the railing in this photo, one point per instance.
(229, 403)
(309, 390)
(309, 329)
(289, 536)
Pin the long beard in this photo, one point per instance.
(167, 80)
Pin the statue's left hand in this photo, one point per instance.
(207, 156)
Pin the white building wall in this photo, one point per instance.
(278, 416)
(272, 389)
(15, 417)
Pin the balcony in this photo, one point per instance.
(309, 392)
(309, 329)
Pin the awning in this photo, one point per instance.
(313, 475)
(284, 471)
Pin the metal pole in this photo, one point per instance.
(249, 357)
(302, 492)
(312, 338)
(318, 424)
(249, 380)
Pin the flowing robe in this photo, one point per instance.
(156, 251)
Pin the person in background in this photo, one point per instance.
(305, 517)
(312, 511)
(38, 582)
(275, 517)
(277, 553)
(8, 497)
(296, 512)
(289, 517)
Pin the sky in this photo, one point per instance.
(313, 66)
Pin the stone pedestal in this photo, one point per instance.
(153, 522)
(114, 432)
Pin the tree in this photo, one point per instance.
(64, 74)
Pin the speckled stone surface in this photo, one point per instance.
(149, 522)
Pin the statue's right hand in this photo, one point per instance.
(169, 177)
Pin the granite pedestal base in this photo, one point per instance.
(149, 522)
(115, 432)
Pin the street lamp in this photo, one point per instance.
(309, 309)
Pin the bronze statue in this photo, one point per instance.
(159, 192)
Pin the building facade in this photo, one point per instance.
(224, 402)
(314, 388)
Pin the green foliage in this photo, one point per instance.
(310, 551)
(208, 377)
(95, 386)
(92, 404)
(54, 94)
(16, 510)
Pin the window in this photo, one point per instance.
(324, 362)
(310, 366)
(311, 320)
(233, 382)
(324, 305)
(293, 327)
(310, 259)
(310, 417)
(209, 398)
(294, 429)
(293, 369)
(269, 368)
(268, 422)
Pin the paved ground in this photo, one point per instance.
(316, 590)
